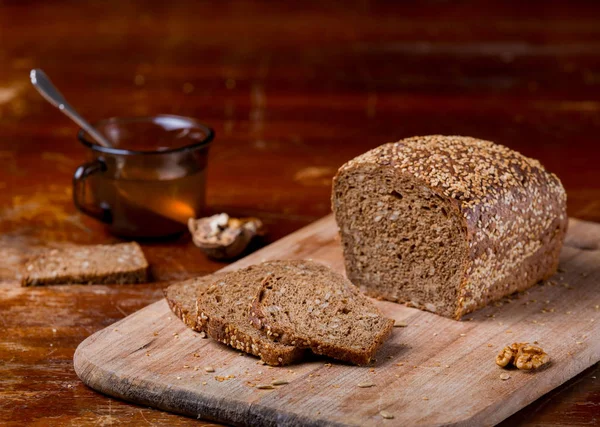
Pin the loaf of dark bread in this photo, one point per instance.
(308, 305)
(448, 223)
(109, 264)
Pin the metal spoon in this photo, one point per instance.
(44, 86)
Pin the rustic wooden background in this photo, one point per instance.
(293, 90)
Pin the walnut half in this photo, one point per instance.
(531, 357)
(223, 237)
(523, 356)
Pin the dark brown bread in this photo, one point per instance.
(181, 297)
(111, 264)
(222, 311)
(229, 325)
(306, 304)
(448, 223)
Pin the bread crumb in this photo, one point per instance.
(265, 387)
(209, 369)
(386, 415)
(366, 384)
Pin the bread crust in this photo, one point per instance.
(512, 209)
(270, 352)
(181, 298)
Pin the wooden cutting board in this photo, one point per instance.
(433, 371)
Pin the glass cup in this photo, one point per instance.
(150, 181)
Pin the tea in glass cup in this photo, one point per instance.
(151, 181)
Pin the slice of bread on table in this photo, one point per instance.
(99, 264)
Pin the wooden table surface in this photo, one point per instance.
(293, 90)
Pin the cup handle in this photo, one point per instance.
(102, 212)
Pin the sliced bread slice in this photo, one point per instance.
(221, 310)
(181, 297)
(111, 264)
(231, 327)
(306, 304)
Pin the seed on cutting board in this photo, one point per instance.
(504, 376)
(366, 384)
(386, 415)
(279, 382)
(400, 324)
(209, 369)
(265, 387)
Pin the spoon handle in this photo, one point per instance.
(42, 83)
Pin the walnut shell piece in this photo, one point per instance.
(223, 237)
